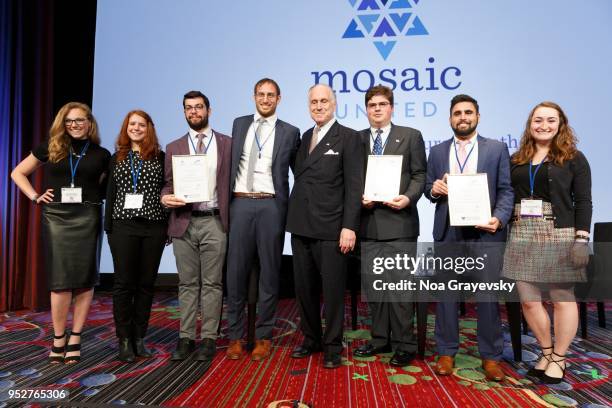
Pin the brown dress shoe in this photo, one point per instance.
(234, 350)
(444, 365)
(492, 370)
(261, 350)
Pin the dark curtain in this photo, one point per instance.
(46, 60)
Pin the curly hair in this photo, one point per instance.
(59, 139)
(149, 148)
(563, 144)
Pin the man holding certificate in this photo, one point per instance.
(395, 180)
(459, 173)
(197, 166)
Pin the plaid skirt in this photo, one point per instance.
(538, 252)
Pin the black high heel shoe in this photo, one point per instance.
(539, 372)
(547, 379)
(72, 348)
(58, 350)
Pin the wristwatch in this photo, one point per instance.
(35, 198)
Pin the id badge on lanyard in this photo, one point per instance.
(133, 201)
(71, 195)
(531, 208)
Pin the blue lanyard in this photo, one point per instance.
(462, 166)
(374, 141)
(532, 177)
(135, 175)
(212, 134)
(261, 145)
(73, 167)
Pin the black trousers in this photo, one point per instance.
(137, 247)
(319, 264)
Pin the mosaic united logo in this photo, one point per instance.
(385, 22)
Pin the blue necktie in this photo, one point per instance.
(378, 146)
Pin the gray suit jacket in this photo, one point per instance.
(382, 222)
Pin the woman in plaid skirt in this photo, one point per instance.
(548, 241)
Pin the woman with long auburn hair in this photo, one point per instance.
(135, 223)
(547, 248)
(75, 167)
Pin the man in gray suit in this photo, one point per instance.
(198, 230)
(263, 150)
(394, 223)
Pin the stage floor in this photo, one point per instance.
(100, 380)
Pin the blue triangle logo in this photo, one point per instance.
(384, 48)
(384, 29)
(352, 31)
(417, 28)
(352, 2)
(400, 4)
(368, 4)
(368, 21)
(400, 20)
(384, 2)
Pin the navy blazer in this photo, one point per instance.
(286, 144)
(493, 159)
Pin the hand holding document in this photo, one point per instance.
(468, 199)
(383, 177)
(190, 177)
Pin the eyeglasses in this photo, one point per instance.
(78, 121)
(198, 107)
(381, 105)
(262, 95)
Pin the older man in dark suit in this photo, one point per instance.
(263, 150)
(392, 225)
(469, 153)
(323, 219)
(199, 230)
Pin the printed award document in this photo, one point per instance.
(190, 177)
(383, 177)
(468, 199)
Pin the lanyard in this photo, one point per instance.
(135, 175)
(532, 177)
(261, 145)
(374, 141)
(73, 167)
(212, 134)
(462, 166)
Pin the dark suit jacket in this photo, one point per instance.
(180, 217)
(493, 159)
(382, 222)
(326, 195)
(286, 144)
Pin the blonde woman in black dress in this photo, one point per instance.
(75, 167)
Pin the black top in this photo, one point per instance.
(569, 187)
(88, 173)
(520, 182)
(150, 183)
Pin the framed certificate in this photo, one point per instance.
(383, 177)
(468, 199)
(190, 177)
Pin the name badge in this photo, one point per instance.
(531, 208)
(133, 201)
(72, 195)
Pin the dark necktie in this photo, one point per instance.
(378, 146)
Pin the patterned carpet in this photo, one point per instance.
(100, 380)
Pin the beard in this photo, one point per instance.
(464, 132)
(198, 124)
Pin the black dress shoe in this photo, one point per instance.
(183, 349)
(304, 351)
(126, 353)
(368, 350)
(207, 350)
(402, 358)
(332, 360)
(140, 349)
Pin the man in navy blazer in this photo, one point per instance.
(263, 149)
(469, 153)
(199, 230)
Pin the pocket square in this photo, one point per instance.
(330, 151)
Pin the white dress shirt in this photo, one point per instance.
(211, 154)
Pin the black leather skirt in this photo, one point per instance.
(72, 241)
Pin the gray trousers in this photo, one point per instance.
(200, 254)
